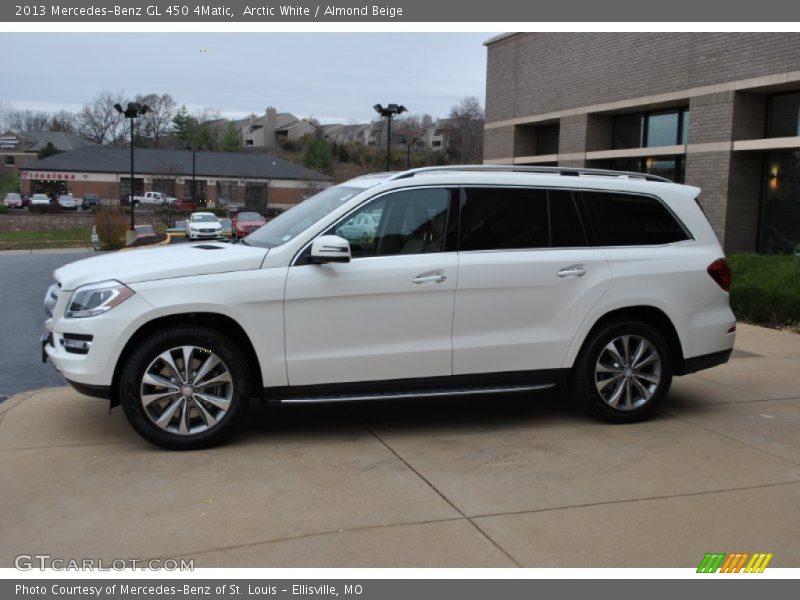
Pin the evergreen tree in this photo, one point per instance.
(231, 139)
(318, 155)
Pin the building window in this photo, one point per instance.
(672, 167)
(783, 115)
(650, 129)
(780, 206)
(201, 189)
(547, 139)
(8, 161)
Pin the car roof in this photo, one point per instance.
(570, 177)
(210, 214)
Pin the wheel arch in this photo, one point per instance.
(219, 322)
(648, 314)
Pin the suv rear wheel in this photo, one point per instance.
(623, 372)
(185, 388)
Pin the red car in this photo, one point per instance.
(247, 222)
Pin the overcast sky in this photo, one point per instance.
(335, 77)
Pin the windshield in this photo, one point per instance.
(250, 217)
(299, 218)
(204, 218)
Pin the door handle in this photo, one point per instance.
(572, 271)
(436, 278)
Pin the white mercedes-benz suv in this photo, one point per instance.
(461, 280)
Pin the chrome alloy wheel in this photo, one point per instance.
(186, 390)
(628, 372)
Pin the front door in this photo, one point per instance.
(387, 314)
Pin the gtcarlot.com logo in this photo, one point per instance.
(739, 562)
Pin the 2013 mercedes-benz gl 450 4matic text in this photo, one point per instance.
(430, 282)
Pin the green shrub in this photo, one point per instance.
(111, 227)
(3, 208)
(765, 290)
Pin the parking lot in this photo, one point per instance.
(491, 481)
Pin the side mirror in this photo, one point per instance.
(330, 248)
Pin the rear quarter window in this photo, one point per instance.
(633, 220)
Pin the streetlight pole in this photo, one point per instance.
(389, 111)
(133, 110)
(194, 172)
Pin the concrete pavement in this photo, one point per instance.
(497, 481)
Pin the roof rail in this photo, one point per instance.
(566, 171)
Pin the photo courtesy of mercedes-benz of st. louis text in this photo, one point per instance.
(429, 282)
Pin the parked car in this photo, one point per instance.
(179, 227)
(90, 201)
(360, 228)
(13, 200)
(478, 280)
(39, 200)
(154, 199)
(203, 225)
(246, 223)
(66, 202)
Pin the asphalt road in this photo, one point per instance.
(24, 278)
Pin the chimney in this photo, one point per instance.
(270, 123)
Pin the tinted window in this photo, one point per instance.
(631, 220)
(504, 218)
(662, 129)
(628, 131)
(566, 229)
(407, 222)
(547, 139)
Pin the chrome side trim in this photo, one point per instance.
(420, 394)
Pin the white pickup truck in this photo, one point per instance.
(154, 199)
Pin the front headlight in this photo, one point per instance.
(96, 298)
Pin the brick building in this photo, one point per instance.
(255, 180)
(717, 110)
(19, 149)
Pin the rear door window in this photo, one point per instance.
(508, 218)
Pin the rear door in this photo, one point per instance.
(527, 279)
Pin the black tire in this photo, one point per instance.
(204, 339)
(584, 386)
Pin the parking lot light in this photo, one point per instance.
(132, 112)
(389, 111)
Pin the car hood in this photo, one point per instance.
(181, 260)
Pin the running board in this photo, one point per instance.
(503, 389)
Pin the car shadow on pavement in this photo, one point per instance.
(412, 415)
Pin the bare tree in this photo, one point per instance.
(63, 121)
(464, 131)
(99, 121)
(28, 120)
(408, 129)
(158, 121)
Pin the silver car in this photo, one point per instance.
(67, 202)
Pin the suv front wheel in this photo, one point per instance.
(623, 372)
(185, 388)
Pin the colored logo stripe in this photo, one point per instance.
(734, 563)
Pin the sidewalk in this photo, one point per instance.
(494, 482)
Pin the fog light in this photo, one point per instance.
(76, 343)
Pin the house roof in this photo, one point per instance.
(63, 141)
(100, 159)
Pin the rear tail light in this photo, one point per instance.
(720, 273)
